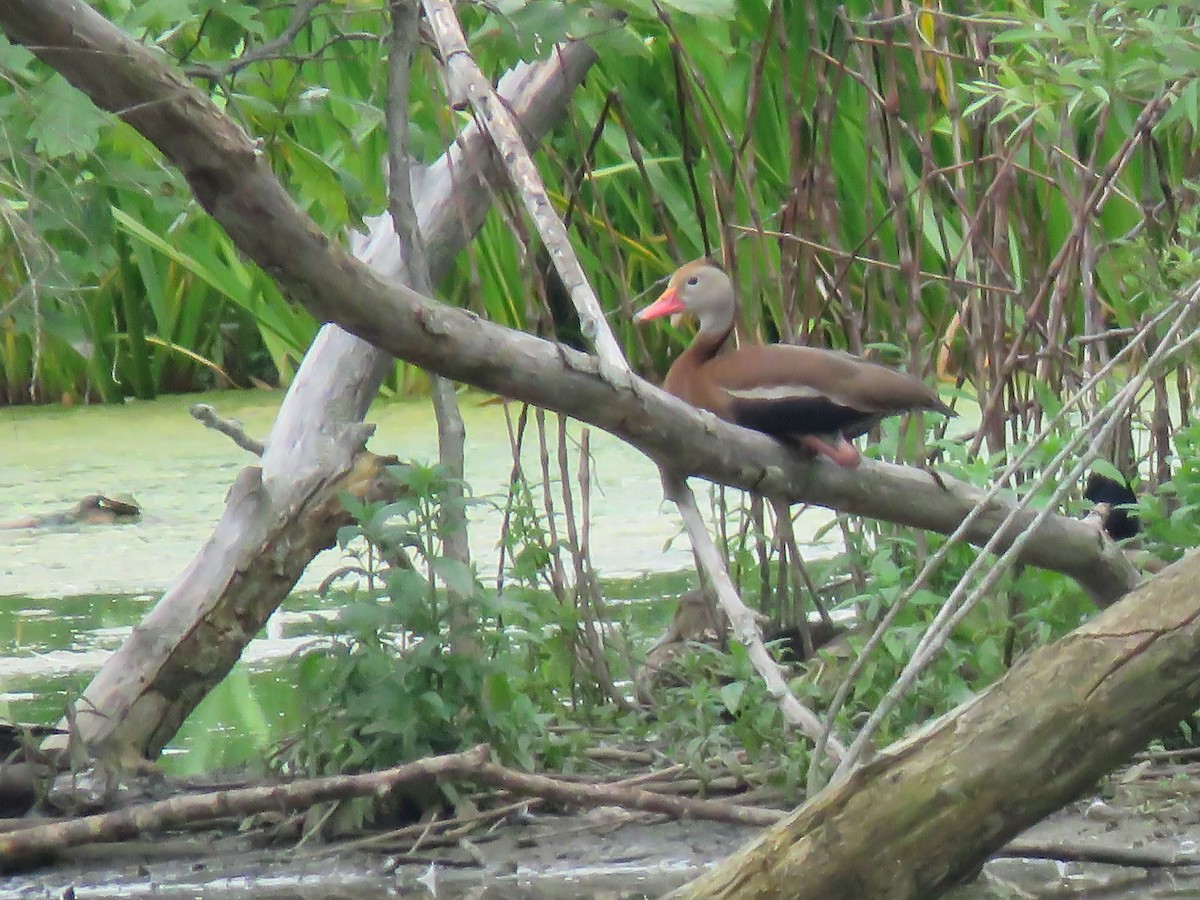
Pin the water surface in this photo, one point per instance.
(69, 596)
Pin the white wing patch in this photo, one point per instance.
(777, 392)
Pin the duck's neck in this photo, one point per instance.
(682, 376)
(708, 343)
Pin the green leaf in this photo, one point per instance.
(1107, 469)
(458, 577)
(67, 123)
(716, 9)
(731, 696)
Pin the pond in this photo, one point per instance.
(69, 596)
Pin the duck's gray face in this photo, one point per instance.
(699, 289)
(707, 293)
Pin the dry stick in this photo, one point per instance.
(231, 428)
(953, 611)
(628, 798)
(178, 811)
(472, 765)
(468, 82)
(1081, 851)
(742, 620)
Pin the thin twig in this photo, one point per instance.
(741, 619)
(265, 51)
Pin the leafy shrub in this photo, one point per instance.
(399, 676)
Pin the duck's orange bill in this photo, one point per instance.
(667, 304)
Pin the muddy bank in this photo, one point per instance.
(604, 853)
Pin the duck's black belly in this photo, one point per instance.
(797, 416)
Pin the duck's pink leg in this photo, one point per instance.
(844, 453)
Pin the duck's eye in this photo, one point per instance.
(694, 280)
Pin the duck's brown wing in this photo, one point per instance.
(784, 389)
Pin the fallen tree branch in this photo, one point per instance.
(472, 765)
(189, 810)
(925, 814)
(1070, 851)
(626, 797)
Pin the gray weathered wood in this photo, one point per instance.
(468, 82)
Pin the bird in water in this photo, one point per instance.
(817, 399)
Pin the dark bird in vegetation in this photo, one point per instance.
(1112, 500)
(817, 399)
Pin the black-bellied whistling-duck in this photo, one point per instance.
(1111, 500)
(819, 399)
(1111, 511)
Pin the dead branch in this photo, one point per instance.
(626, 797)
(1067, 851)
(189, 810)
(231, 428)
(268, 50)
(471, 765)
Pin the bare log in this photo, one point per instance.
(472, 765)
(239, 190)
(928, 811)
